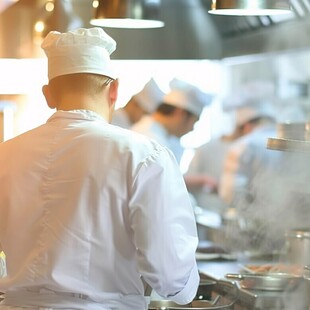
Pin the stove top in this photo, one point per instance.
(236, 298)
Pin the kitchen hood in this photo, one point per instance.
(190, 32)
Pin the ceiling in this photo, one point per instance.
(190, 32)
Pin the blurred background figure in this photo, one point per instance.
(250, 176)
(144, 102)
(248, 156)
(205, 170)
(177, 114)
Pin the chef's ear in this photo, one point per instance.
(48, 96)
(113, 92)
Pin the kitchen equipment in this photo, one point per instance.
(2, 265)
(205, 289)
(293, 131)
(307, 272)
(306, 276)
(266, 281)
(293, 137)
(218, 294)
(297, 246)
(196, 304)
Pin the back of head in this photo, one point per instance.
(188, 97)
(149, 97)
(260, 110)
(250, 94)
(253, 101)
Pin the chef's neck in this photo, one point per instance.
(78, 102)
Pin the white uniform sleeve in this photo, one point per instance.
(196, 163)
(234, 179)
(164, 229)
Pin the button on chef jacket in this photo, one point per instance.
(86, 209)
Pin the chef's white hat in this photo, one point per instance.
(188, 97)
(79, 51)
(247, 113)
(150, 96)
(251, 93)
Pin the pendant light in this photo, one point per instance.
(4, 4)
(250, 7)
(127, 14)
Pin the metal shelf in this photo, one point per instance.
(300, 146)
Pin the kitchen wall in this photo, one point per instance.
(289, 72)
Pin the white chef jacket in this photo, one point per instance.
(153, 129)
(120, 118)
(246, 159)
(209, 160)
(86, 209)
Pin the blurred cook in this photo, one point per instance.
(144, 102)
(77, 224)
(205, 171)
(175, 116)
(248, 156)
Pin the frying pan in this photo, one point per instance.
(170, 305)
(205, 289)
(194, 305)
(266, 281)
(215, 304)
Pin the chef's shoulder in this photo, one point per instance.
(139, 145)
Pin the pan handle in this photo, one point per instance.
(234, 276)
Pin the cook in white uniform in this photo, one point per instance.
(205, 171)
(175, 117)
(248, 156)
(80, 224)
(144, 102)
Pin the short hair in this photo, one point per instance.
(168, 109)
(87, 83)
(256, 121)
(165, 109)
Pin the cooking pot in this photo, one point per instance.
(306, 287)
(297, 246)
(306, 276)
(295, 131)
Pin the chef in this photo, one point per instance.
(80, 224)
(248, 156)
(144, 102)
(175, 116)
(205, 171)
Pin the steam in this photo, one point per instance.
(279, 201)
